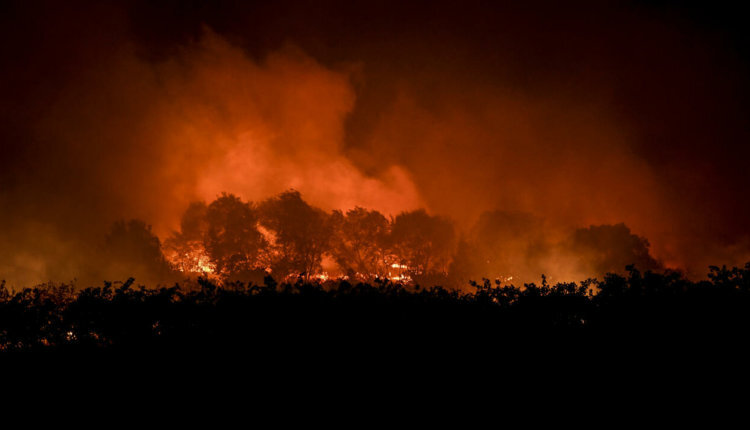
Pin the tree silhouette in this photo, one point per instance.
(423, 242)
(132, 250)
(232, 239)
(302, 234)
(194, 222)
(359, 243)
(186, 249)
(609, 248)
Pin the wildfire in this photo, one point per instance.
(204, 264)
(192, 261)
(401, 275)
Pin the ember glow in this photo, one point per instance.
(192, 262)
(420, 142)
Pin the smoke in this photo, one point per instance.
(257, 129)
(116, 112)
(128, 138)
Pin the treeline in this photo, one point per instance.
(342, 315)
(287, 237)
(233, 240)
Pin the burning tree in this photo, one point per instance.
(422, 242)
(359, 243)
(232, 239)
(186, 249)
(220, 238)
(301, 234)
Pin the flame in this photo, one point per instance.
(192, 260)
(402, 275)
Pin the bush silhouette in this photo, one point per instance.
(248, 318)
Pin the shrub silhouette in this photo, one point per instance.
(291, 317)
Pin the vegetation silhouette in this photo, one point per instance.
(131, 249)
(233, 240)
(302, 233)
(252, 280)
(295, 319)
(360, 243)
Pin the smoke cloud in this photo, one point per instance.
(117, 112)
(127, 138)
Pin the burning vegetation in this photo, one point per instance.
(480, 150)
(284, 237)
(314, 174)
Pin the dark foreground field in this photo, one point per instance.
(645, 333)
(340, 321)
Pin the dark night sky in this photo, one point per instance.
(578, 112)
